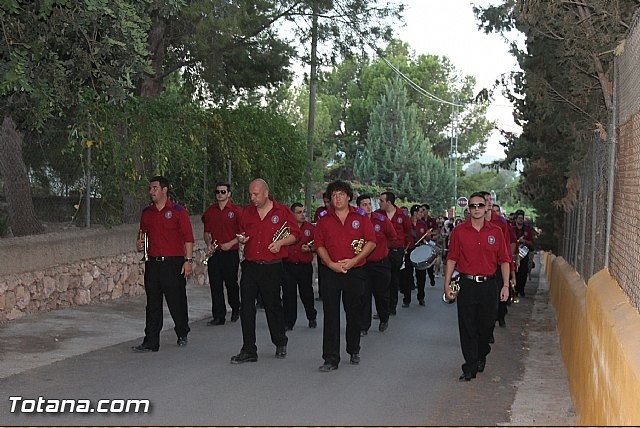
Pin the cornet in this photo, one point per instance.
(356, 245)
(310, 245)
(282, 233)
(142, 236)
(454, 286)
(209, 252)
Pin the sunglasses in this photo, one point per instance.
(221, 192)
(476, 206)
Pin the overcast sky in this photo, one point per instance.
(449, 28)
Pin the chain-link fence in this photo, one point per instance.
(603, 227)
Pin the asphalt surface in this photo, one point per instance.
(408, 374)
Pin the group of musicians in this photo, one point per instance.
(363, 256)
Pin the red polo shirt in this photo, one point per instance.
(336, 237)
(295, 251)
(431, 223)
(402, 224)
(417, 231)
(168, 229)
(502, 223)
(385, 232)
(318, 212)
(261, 232)
(527, 232)
(477, 252)
(222, 224)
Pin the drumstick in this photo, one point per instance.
(423, 236)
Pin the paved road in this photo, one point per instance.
(408, 375)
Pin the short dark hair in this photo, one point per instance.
(519, 212)
(325, 195)
(296, 205)
(391, 197)
(362, 198)
(478, 195)
(340, 186)
(426, 206)
(222, 183)
(160, 179)
(414, 208)
(496, 205)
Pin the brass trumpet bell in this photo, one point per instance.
(454, 286)
(356, 245)
(282, 233)
(209, 252)
(143, 236)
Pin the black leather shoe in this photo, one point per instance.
(383, 326)
(466, 377)
(376, 316)
(491, 339)
(216, 321)
(327, 367)
(433, 283)
(481, 365)
(392, 312)
(405, 305)
(243, 357)
(235, 317)
(421, 302)
(288, 328)
(182, 341)
(143, 348)
(281, 352)
(313, 323)
(363, 333)
(502, 323)
(355, 359)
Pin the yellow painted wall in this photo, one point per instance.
(600, 341)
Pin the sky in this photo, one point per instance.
(449, 28)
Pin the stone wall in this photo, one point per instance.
(75, 267)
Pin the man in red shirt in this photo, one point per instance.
(476, 247)
(525, 236)
(377, 268)
(344, 238)
(262, 269)
(432, 224)
(170, 258)
(298, 273)
(220, 229)
(326, 199)
(418, 229)
(402, 224)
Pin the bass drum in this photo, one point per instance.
(421, 257)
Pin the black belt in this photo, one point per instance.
(477, 278)
(272, 262)
(166, 259)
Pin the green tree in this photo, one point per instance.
(398, 157)
(56, 55)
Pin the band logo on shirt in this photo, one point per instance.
(307, 232)
(355, 224)
(491, 239)
(399, 220)
(377, 228)
(168, 215)
(231, 214)
(275, 219)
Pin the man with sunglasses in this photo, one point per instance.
(476, 248)
(220, 229)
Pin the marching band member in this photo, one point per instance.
(377, 268)
(220, 230)
(344, 238)
(263, 231)
(169, 262)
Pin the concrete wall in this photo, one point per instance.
(600, 341)
(74, 267)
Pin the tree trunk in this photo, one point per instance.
(152, 83)
(313, 78)
(22, 216)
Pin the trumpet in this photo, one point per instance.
(356, 245)
(310, 245)
(512, 293)
(209, 252)
(282, 233)
(454, 286)
(142, 236)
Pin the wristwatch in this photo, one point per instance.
(188, 259)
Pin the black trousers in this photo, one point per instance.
(396, 256)
(223, 269)
(298, 278)
(476, 316)
(432, 276)
(502, 306)
(163, 279)
(266, 279)
(378, 279)
(408, 281)
(348, 286)
(522, 274)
